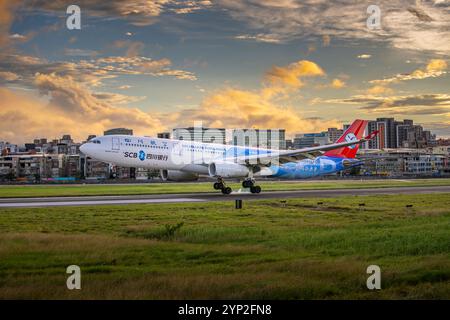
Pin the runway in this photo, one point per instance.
(206, 197)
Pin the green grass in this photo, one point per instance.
(163, 188)
(267, 250)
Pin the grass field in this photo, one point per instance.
(156, 188)
(267, 250)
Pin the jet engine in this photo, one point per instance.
(227, 170)
(177, 175)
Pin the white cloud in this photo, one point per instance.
(434, 68)
(137, 12)
(8, 76)
(259, 38)
(17, 36)
(91, 71)
(346, 19)
(80, 52)
(420, 104)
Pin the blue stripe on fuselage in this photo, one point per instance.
(312, 167)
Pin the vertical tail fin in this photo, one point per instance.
(354, 132)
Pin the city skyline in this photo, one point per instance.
(156, 65)
(393, 133)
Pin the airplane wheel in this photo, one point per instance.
(226, 190)
(247, 184)
(218, 186)
(255, 189)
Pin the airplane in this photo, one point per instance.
(182, 160)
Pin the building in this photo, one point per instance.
(32, 166)
(94, 170)
(398, 134)
(125, 131)
(442, 142)
(260, 138)
(387, 136)
(380, 140)
(402, 133)
(443, 150)
(163, 135)
(289, 144)
(30, 147)
(417, 152)
(66, 139)
(413, 136)
(406, 162)
(71, 166)
(388, 127)
(334, 134)
(305, 140)
(200, 134)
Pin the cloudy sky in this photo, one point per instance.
(152, 65)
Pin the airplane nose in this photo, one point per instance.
(84, 148)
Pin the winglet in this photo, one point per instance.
(372, 135)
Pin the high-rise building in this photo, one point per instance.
(390, 136)
(123, 131)
(380, 140)
(260, 138)
(200, 134)
(398, 134)
(402, 132)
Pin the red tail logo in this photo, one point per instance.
(353, 133)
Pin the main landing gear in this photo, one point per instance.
(250, 183)
(247, 183)
(220, 185)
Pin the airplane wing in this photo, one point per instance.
(283, 156)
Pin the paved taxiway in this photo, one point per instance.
(205, 197)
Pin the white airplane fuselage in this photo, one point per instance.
(194, 157)
(156, 153)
